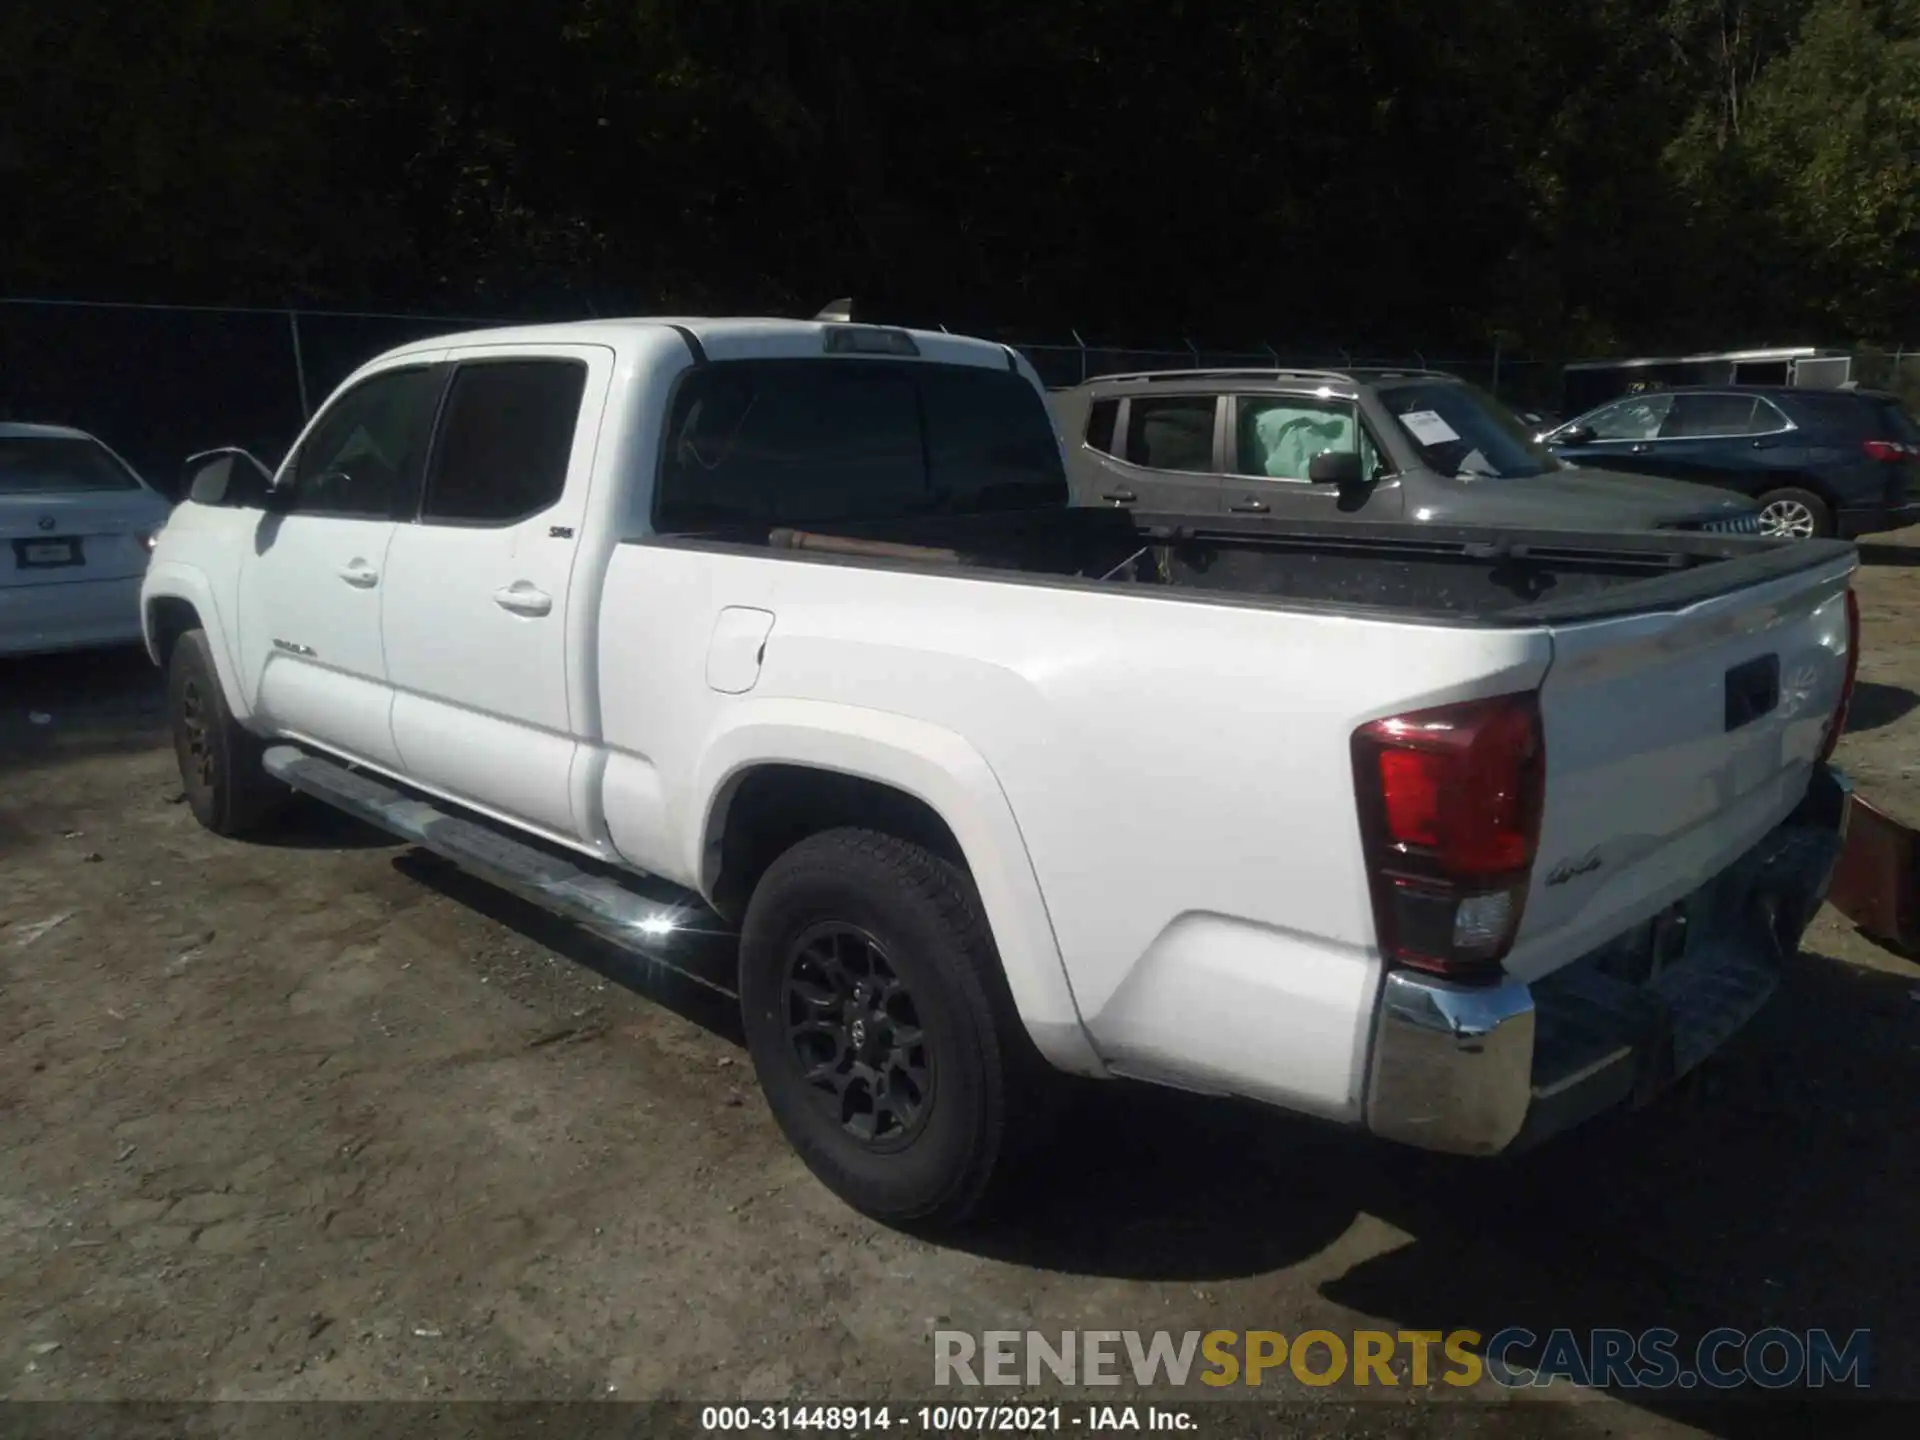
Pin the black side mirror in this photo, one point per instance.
(1337, 467)
(1572, 435)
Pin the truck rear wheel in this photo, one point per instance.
(227, 789)
(867, 977)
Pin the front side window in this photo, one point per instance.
(506, 437)
(1172, 432)
(807, 442)
(368, 449)
(1639, 418)
(59, 465)
(1276, 437)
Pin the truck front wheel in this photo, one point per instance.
(867, 976)
(226, 787)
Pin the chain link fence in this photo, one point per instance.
(159, 382)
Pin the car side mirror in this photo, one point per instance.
(227, 476)
(1337, 467)
(1573, 435)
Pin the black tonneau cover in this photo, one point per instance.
(1422, 574)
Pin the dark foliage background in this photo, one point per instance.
(1358, 173)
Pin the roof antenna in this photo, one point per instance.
(839, 310)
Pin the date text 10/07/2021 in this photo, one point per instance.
(944, 1419)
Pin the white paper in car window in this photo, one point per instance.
(1428, 428)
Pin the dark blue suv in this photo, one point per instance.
(1819, 462)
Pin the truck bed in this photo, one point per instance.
(1419, 573)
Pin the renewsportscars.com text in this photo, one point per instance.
(1722, 1359)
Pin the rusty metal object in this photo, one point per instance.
(786, 539)
(1877, 882)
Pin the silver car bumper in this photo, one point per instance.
(1477, 1070)
(75, 615)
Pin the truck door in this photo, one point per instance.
(311, 591)
(484, 639)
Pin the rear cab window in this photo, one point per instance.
(60, 465)
(771, 443)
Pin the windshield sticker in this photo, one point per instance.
(1428, 428)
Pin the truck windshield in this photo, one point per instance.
(58, 464)
(805, 442)
(1462, 431)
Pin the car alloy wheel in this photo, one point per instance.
(1787, 519)
(857, 1035)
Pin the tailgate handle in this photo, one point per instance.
(1753, 690)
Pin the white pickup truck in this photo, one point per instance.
(1456, 836)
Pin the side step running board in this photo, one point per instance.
(616, 911)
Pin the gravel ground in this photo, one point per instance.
(319, 1119)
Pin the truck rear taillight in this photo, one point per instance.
(1891, 451)
(1450, 803)
(1837, 726)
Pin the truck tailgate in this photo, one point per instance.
(1674, 741)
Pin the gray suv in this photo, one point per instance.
(1393, 445)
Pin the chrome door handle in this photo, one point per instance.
(360, 575)
(1119, 497)
(1638, 449)
(1249, 507)
(523, 599)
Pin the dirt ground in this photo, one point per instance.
(320, 1119)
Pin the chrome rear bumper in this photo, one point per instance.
(1477, 1070)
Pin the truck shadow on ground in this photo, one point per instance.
(1775, 1187)
(1880, 553)
(1876, 706)
(303, 823)
(695, 980)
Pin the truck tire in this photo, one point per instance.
(1795, 514)
(220, 768)
(867, 984)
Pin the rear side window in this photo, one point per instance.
(792, 442)
(59, 464)
(1897, 423)
(506, 435)
(1866, 417)
(1703, 416)
(1172, 432)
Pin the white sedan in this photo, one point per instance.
(76, 528)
